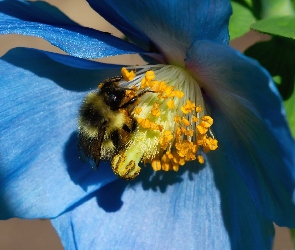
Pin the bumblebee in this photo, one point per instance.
(106, 123)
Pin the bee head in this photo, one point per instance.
(112, 93)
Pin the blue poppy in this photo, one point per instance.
(230, 201)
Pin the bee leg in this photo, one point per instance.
(120, 138)
(126, 128)
(133, 125)
(144, 91)
(115, 138)
(96, 162)
(135, 98)
(130, 126)
(94, 146)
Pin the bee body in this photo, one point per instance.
(105, 121)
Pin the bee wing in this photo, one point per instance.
(90, 147)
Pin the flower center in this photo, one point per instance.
(173, 127)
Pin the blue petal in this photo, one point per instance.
(247, 227)
(162, 211)
(40, 172)
(70, 37)
(174, 25)
(250, 125)
(182, 210)
(112, 16)
(77, 62)
(35, 12)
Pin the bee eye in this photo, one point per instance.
(113, 100)
(112, 97)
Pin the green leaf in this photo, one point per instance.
(240, 21)
(272, 8)
(290, 109)
(268, 8)
(283, 26)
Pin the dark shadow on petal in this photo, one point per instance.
(109, 197)
(71, 156)
(70, 78)
(82, 173)
(5, 214)
(110, 193)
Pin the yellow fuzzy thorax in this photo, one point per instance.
(173, 127)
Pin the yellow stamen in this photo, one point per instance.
(201, 129)
(188, 107)
(173, 127)
(195, 119)
(127, 75)
(168, 91)
(146, 123)
(189, 132)
(170, 104)
(165, 139)
(165, 162)
(150, 75)
(156, 164)
(200, 159)
(210, 144)
(155, 110)
(177, 93)
(185, 122)
(177, 119)
(207, 121)
(199, 108)
(137, 110)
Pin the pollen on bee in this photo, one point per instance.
(173, 126)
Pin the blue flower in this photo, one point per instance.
(231, 201)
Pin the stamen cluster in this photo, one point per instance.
(173, 125)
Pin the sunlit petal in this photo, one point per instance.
(41, 174)
(68, 36)
(183, 210)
